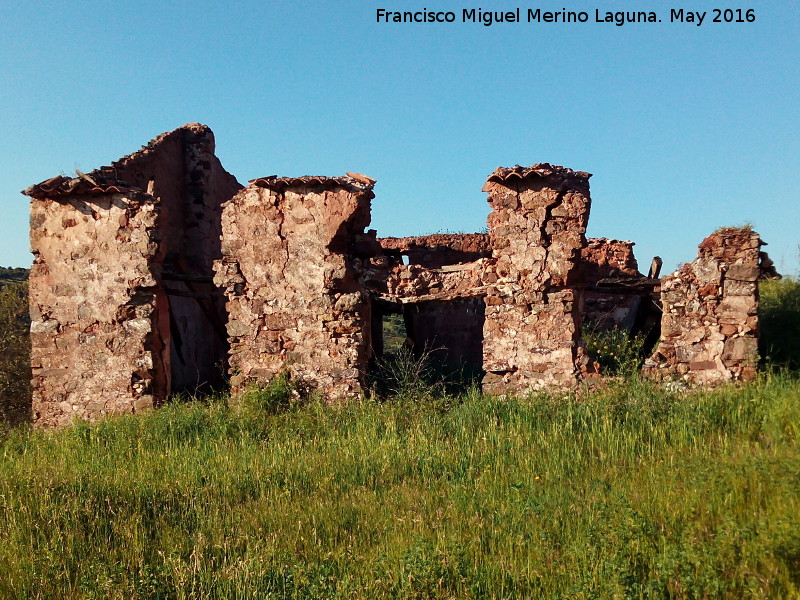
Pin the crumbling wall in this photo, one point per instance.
(443, 310)
(532, 322)
(615, 293)
(131, 260)
(710, 324)
(94, 304)
(123, 305)
(294, 300)
(179, 168)
(437, 250)
(603, 258)
(416, 283)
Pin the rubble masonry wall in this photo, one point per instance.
(180, 169)
(709, 329)
(293, 297)
(151, 274)
(94, 307)
(533, 315)
(440, 249)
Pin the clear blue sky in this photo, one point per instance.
(685, 128)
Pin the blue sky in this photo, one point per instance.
(685, 128)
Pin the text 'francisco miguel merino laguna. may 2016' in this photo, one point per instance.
(564, 16)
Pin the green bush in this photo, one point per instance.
(394, 333)
(779, 312)
(15, 368)
(617, 353)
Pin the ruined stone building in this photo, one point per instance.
(123, 307)
(161, 273)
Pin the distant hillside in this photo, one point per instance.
(10, 274)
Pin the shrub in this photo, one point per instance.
(404, 376)
(779, 312)
(280, 395)
(615, 350)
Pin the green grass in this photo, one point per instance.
(627, 492)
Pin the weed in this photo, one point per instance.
(404, 376)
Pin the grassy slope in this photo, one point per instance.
(630, 492)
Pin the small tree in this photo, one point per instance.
(15, 361)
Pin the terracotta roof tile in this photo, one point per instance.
(281, 183)
(505, 174)
(94, 184)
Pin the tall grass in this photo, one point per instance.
(625, 492)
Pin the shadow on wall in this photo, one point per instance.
(150, 273)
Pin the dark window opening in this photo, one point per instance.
(619, 328)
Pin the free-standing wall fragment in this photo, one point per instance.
(533, 314)
(709, 330)
(293, 297)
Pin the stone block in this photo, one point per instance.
(743, 272)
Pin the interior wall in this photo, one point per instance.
(451, 331)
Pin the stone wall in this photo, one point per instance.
(155, 273)
(532, 322)
(443, 309)
(710, 324)
(179, 168)
(294, 299)
(603, 258)
(615, 294)
(437, 250)
(95, 306)
(413, 283)
(122, 301)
